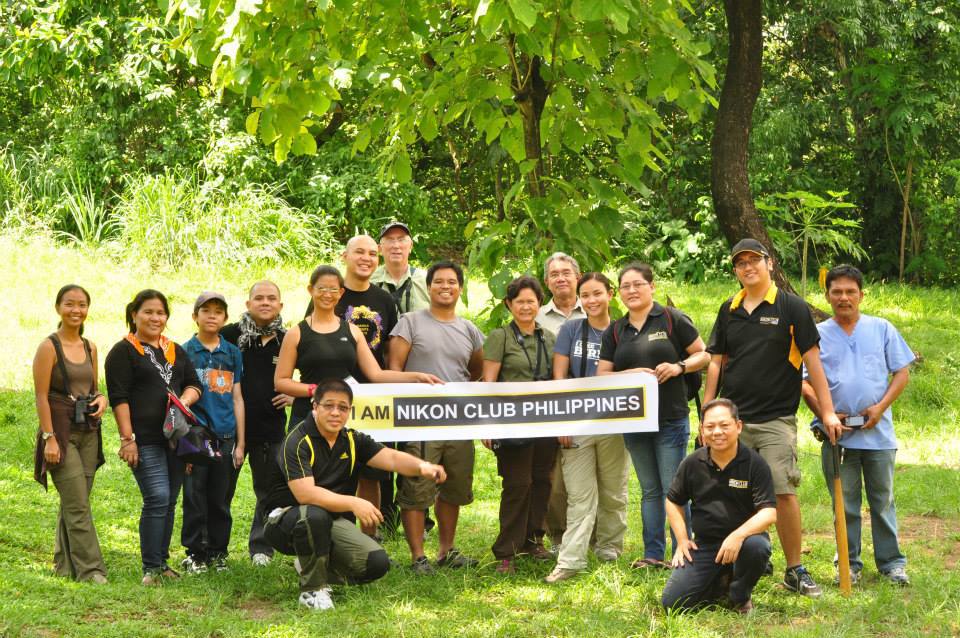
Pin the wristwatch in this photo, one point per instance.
(132, 437)
(47, 435)
(683, 366)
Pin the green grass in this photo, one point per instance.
(609, 601)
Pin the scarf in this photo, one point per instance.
(169, 352)
(250, 332)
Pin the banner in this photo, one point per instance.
(456, 411)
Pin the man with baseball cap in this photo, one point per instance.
(761, 339)
(406, 284)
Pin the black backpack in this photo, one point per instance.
(692, 380)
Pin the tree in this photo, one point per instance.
(566, 90)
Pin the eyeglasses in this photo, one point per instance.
(395, 241)
(753, 260)
(333, 407)
(565, 274)
(326, 291)
(636, 285)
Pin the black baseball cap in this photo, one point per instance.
(391, 225)
(748, 245)
(206, 297)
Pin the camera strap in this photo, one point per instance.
(58, 348)
(541, 346)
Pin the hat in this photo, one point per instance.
(748, 246)
(208, 296)
(391, 225)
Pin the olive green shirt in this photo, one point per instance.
(410, 294)
(501, 345)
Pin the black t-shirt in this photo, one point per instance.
(133, 379)
(722, 500)
(763, 353)
(626, 347)
(264, 422)
(305, 453)
(375, 313)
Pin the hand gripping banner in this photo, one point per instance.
(419, 412)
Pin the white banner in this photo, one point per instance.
(458, 411)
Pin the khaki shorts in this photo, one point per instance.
(456, 457)
(776, 442)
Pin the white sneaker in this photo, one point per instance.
(191, 566)
(260, 560)
(319, 599)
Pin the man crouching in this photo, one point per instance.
(732, 505)
(311, 504)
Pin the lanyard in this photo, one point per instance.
(540, 348)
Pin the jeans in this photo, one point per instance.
(207, 493)
(656, 457)
(876, 469)
(159, 475)
(703, 581)
(260, 457)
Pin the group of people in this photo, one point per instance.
(315, 479)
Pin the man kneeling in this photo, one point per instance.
(732, 505)
(311, 497)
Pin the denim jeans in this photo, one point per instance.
(656, 457)
(876, 469)
(159, 475)
(699, 582)
(260, 459)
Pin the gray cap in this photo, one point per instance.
(207, 296)
(391, 225)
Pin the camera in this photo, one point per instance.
(82, 408)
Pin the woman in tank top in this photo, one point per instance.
(323, 345)
(69, 445)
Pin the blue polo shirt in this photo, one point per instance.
(858, 368)
(217, 370)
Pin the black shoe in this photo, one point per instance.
(768, 569)
(798, 579)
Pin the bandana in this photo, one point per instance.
(250, 332)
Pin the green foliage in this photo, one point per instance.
(170, 220)
(554, 87)
(803, 221)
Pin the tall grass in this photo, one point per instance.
(170, 220)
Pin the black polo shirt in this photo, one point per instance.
(763, 353)
(626, 347)
(722, 500)
(305, 453)
(265, 423)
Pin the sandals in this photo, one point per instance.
(649, 563)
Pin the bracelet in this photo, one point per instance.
(127, 444)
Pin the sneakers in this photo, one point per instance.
(319, 599)
(560, 573)
(898, 576)
(854, 577)
(455, 560)
(261, 560)
(505, 566)
(798, 579)
(220, 563)
(606, 554)
(421, 566)
(191, 565)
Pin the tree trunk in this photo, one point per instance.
(905, 190)
(730, 181)
(530, 95)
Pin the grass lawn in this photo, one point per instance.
(610, 600)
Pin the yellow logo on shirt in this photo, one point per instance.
(737, 483)
(344, 457)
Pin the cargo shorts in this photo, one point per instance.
(776, 442)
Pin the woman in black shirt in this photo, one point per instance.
(645, 341)
(140, 368)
